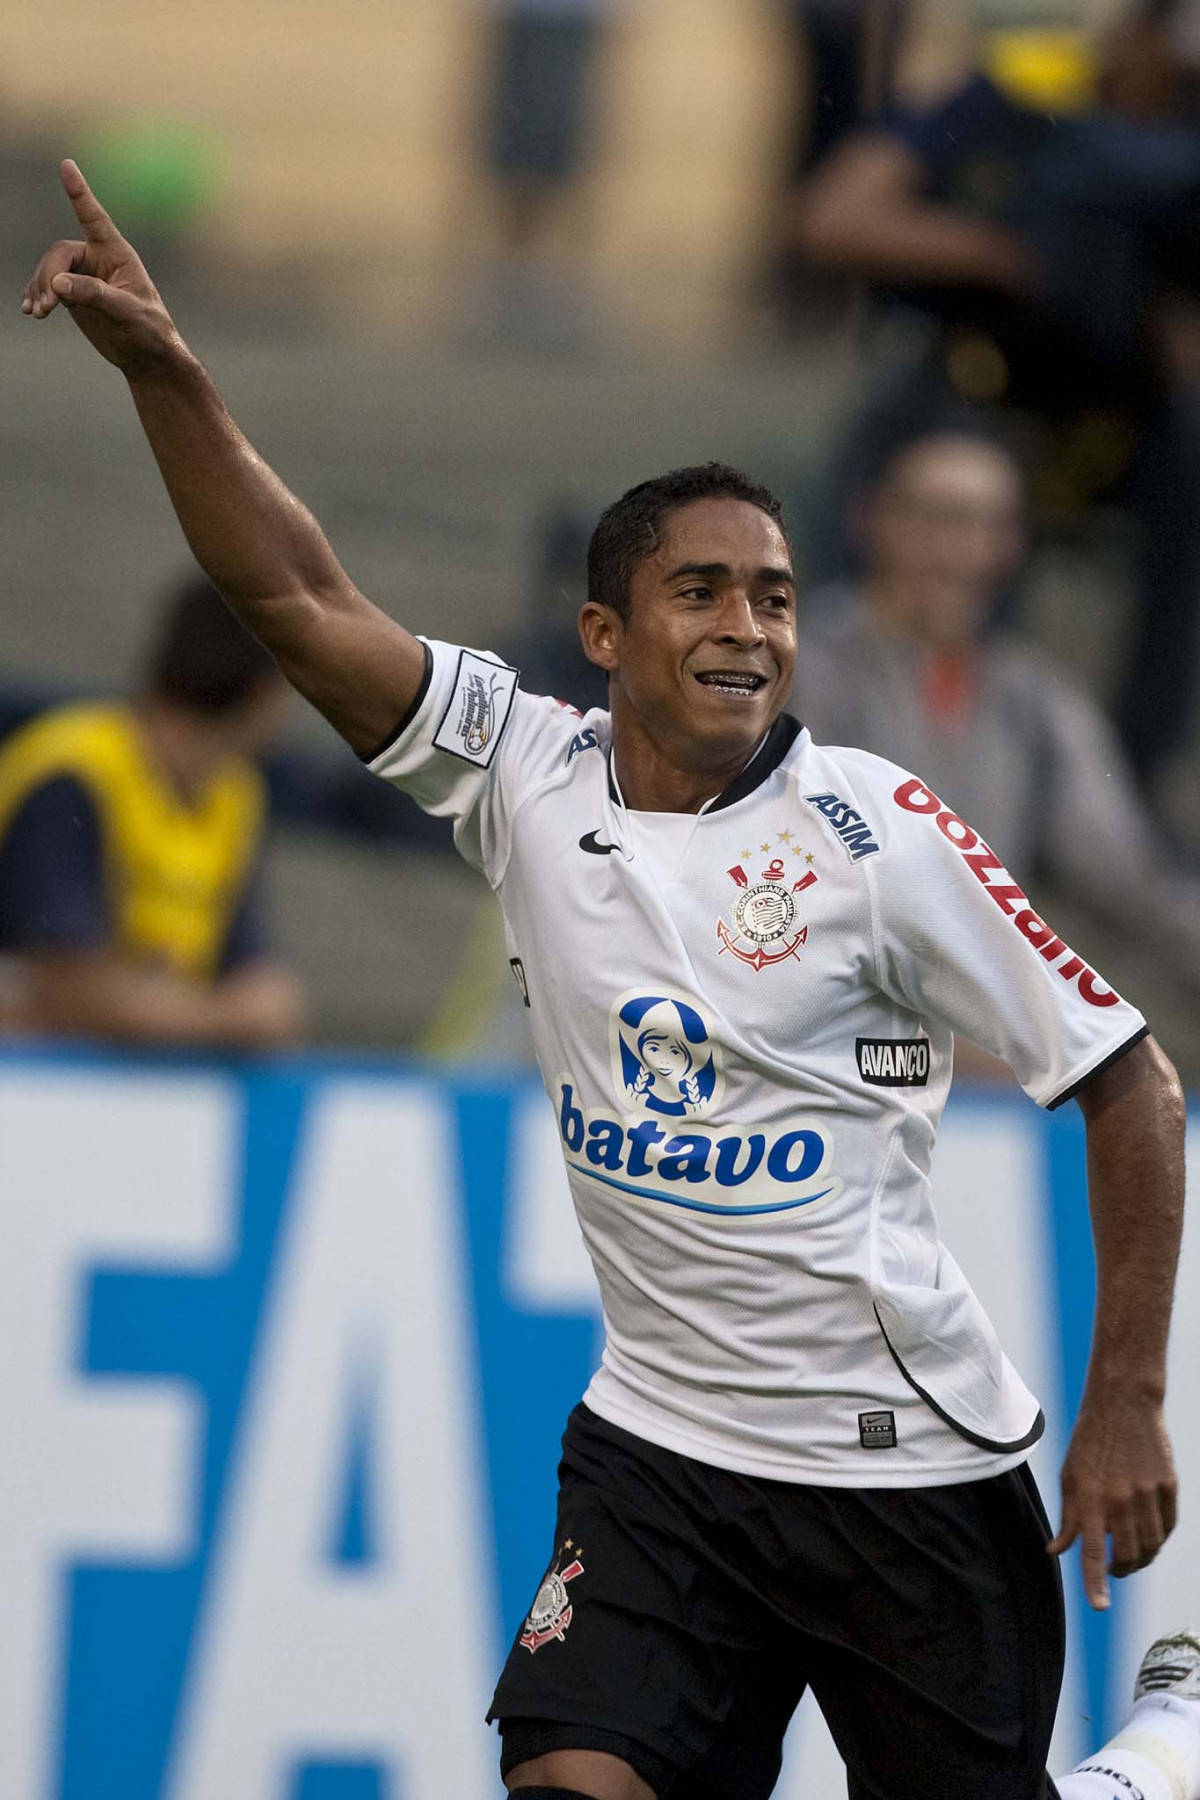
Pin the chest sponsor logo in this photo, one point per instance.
(590, 842)
(477, 712)
(659, 1143)
(856, 835)
(765, 927)
(914, 797)
(893, 1062)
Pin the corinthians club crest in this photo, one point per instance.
(552, 1611)
(765, 915)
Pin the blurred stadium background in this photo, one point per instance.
(277, 1442)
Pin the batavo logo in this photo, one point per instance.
(668, 1073)
(729, 1174)
(915, 797)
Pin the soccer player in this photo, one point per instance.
(803, 1460)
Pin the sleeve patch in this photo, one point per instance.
(478, 709)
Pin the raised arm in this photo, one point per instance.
(1118, 1479)
(253, 538)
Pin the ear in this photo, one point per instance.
(600, 632)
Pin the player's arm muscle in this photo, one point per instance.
(1118, 1478)
(270, 559)
(257, 543)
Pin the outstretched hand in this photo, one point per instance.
(1118, 1482)
(101, 280)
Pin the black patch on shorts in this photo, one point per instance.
(877, 1430)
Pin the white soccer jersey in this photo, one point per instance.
(744, 1021)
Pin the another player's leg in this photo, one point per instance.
(1156, 1754)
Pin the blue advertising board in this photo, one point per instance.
(288, 1351)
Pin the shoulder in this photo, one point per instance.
(1029, 669)
(58, 806)
(52, 886)
(85, 743)
(67, 731)
(476, 712)
(855, 793)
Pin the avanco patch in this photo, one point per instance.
(893, 1062)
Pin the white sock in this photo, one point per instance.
(1154, 1756)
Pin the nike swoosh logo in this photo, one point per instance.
(589, 843)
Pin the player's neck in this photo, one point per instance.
(655, 777)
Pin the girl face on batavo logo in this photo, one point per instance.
(663, 1058)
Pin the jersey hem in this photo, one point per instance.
(1000, 1446)
(919, 1475)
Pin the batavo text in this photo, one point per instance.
(693, 1170)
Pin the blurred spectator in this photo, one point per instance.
(1052, 258)
(907, 663)
(130, 850)
(536, 130)
(845, 56)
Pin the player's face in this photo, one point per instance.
(704, 663)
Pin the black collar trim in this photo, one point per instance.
(764, 762)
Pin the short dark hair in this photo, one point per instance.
(630, 529)
(202, 658)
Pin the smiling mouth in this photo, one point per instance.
(739, 684)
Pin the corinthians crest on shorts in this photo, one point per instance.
(552, 1611)
(766, 926)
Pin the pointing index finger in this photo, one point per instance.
(97, 226)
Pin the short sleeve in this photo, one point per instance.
(474, 747)
(53, 891)
(957, 938)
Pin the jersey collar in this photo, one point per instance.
(766, 759)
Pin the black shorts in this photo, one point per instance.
(687, 1608)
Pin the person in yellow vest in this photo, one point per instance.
(131, 836)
